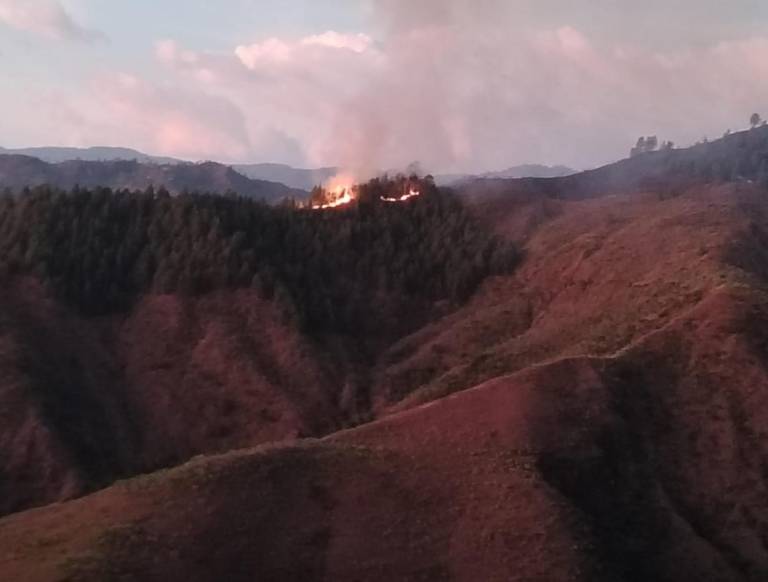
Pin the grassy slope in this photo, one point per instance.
(576, 470)
(598, 275)
(87, 401)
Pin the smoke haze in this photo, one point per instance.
(457, 85)
(475, 85)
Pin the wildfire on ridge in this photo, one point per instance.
(411, 194)
(338, 191)
(341, 191)
(338, 197)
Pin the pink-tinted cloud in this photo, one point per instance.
(330, 45)
(289, 88)
(175, 122)
(47, 18)
(123, 109)
(453, 89)
(358, 43)
(449, 87)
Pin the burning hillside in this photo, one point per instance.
(334, 198)
(342, 191)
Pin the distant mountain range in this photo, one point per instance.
(18, 171)
(301, 179)
(55, 155)
(297, 178)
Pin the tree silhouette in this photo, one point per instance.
(755, 120)
(645, 145)
(639, 147)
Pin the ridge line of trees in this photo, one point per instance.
(649, 144)
(347, 270)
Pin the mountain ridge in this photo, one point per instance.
(736, 157)
(293, 177)
(54, 155)
(18, 172)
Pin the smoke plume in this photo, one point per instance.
(467, 86)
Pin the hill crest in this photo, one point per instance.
(18, 172)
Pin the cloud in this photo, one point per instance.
(126, 110)
(329, 45)
(457, 87)
(470, 88)
(173, 121)
(286, 87)
(47, 18)
(453, 89)
(358, 43)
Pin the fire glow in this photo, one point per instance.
(338, 191)
(412, 194)
(341, 191)
(341, 197)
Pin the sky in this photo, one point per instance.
(372, 85)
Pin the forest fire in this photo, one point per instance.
(339, 196)
(338, 191)
(342, 191)
(411, 194)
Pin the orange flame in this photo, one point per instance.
(411, 194)
(341, 191)
(340, 198)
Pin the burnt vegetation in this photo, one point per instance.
(344, 270)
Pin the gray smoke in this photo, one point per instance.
(436, 70)
(482, 85)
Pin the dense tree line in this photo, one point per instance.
(340, 270)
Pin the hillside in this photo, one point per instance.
(617, 452)
(523, 171)
(295, 178)
(17, 172)
(153, 354)
(737, 157)
(596, 414)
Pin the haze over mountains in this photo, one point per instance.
(18, 171)
(55, 155)
(597, 408)
(296, 178)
